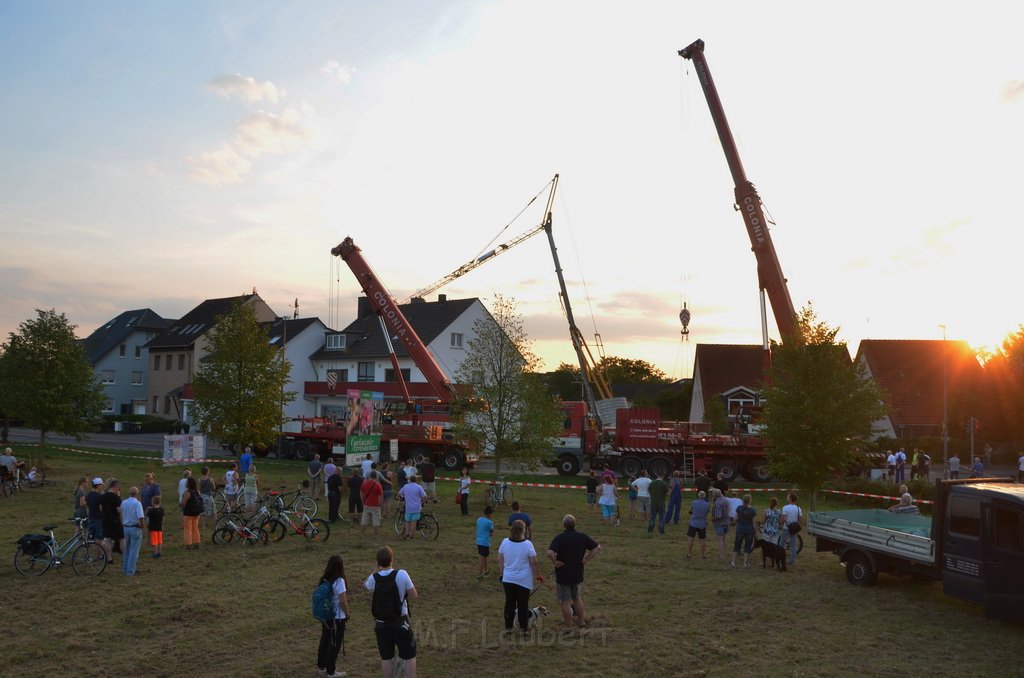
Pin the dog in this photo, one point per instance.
(773, 552)
(535, 614)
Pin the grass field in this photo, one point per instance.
(232, 611)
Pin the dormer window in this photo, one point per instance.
(335, 342)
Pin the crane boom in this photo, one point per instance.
(748, 202)
(393, 321)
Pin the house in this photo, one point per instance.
(732, 373)
(357, 357)
(300, 337)
(117, 352)
(912, 373)
(175, 354)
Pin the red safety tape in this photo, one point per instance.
(583, 487)
(160, 459)
(876, 496)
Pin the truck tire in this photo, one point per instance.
(631, 466)
(727, 469)
(286, 450)
(659, 466)
(419, 455)
(452, 459)
(859, 570)
(300, 449)
(759, 473)
(567, 465)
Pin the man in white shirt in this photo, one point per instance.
(133, 520)
(366, 465)
(890, 462)
(734, 503)
(954, 466)
(392, 633)
(642, 485)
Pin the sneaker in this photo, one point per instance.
(155, 555)
(338, 674)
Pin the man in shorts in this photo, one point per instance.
(372, 494)
(569, 551)
(413, 495)
(428, 473)
(698, 526)
(393, 632)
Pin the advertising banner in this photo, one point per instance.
(184, 449)
(362, 428)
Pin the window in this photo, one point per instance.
(389, 374)
(109, 405)
(138, 352)
(366, 372)
(181, 361)
(107, 377)
(456, 340)
(123, 351)
(156, 404)
(335, 342)
(156, 362)
(167, 404)
(1008, 526)
(137, 378)
(965, 516)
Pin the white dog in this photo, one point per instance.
(535, 614)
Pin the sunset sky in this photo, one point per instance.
(157, 154)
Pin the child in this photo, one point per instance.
(155, 521)
(252, 489)
(592, 491)
(632, 494)
(484, 530)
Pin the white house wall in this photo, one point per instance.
(297, 351)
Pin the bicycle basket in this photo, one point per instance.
(33, 544)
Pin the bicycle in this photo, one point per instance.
(38, 553)
(500, 492)
(245, 533)
(427, 525)
(314, 529)
(294, 501)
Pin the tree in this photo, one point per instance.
(1004, 374)
(46, 380)
(817, 404)
(515, 416)
(240, 390)
(630, 371)
(565, 382)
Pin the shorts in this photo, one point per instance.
(388, 494)
(430, 488)
(96, 528)
(567, 592)
(412, 517)
(391, 635)
(371, 513)
(156, 538)
(699, 532)
(483, 550)
(721, 530)
(645, 504)
(631, 496)
(591, 497)
(355, 505)
(607, 510)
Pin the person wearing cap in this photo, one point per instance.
(132, 522)
(113, 529)
(95, 513)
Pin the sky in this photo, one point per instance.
(158, 154)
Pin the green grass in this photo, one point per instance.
(230, 611)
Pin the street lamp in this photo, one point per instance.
(945, 405)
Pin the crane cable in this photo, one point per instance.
(514, 219)
(564, 205)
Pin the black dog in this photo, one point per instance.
(772, 552)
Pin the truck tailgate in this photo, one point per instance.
(902, 536)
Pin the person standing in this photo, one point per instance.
(150, 489)
(675, 498)
(721, 484)
(658, 491)
(464, 482)
(314, 470)
(953, 466)
(792, 518)
(702, 482)
(183, 484)
(592, 483)
(484, 530)
(372, 495)
(570, 551)
(155, 519)
(720, 519)
(890, 465)
(207, 488)
(332, 633)
(519, 514)
(428, 472)
(93, 503)
(744, 540)
(386, 479)
(252, 486)
(901, 465)
(607, 500)
(191, 509)
(334, 482)
(915, 468)
(631, 495)
(517, 565)
(113, 528)
(643, 494)
(355, 496)
(230, 486)
(81, 509)
(392, 589)
(133, 520)
(329, 468)
(978, 469)
(245, 461)
(698, 524)
(771, 528)
(413, 495)
(365, 466)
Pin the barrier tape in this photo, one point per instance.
(562, 486)
(876, 496)
(153, 458)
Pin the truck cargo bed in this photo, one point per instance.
(904, 536)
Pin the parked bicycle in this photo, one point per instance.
(296, 523)
(427, 525)
(500, 492)
(37, 553)
(295, 500)
(238, 531)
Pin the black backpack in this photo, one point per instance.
(386, 605)
(194, 505)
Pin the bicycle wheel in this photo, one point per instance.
(317, 530)
(89, 559)
(220, 500)
(506, 495)
(34, 565)
(255, 537)
(224, 535)
(306, 505)
(275, 529)
(428, 527)
(399, 521)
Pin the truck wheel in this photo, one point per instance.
(659, 466)
(301, 450)
(420, 455)
(567, 465)
(286, 450)
(631, 466)
(728, 471)
(859, 571)
(759, 473)
(452, 460)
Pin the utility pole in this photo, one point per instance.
(945, 406)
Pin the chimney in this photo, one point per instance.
(442, 297)
(363, 308)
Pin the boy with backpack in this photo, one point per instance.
(391, 591)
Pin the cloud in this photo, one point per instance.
(336, 70)
(1013, 90)
(220, 167)
(245, 88)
